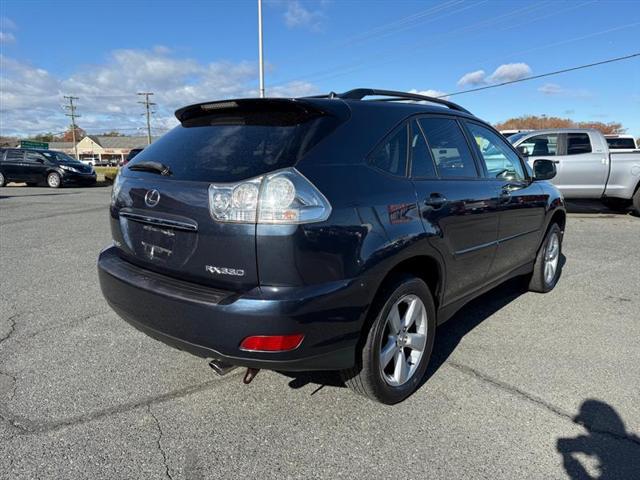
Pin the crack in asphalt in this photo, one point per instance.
(531, 398)
(71, 323)
(30, 427)
(12, 326)
(159, 444)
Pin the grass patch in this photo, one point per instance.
(106, 174)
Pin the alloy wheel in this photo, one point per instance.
(404, 340)
(551, 258)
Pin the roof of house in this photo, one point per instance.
(120, 142)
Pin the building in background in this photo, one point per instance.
(102, 150)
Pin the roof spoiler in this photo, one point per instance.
(392, 96)
(299, 106)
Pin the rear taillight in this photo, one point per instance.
(272, 343)
(282, 197)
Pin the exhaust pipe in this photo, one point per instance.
(221, 368)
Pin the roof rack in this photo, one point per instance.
(393, 96)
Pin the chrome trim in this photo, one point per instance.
(163, 222)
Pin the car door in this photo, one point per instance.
(582, 165)
(521, 205)
(13, 165)
(457, 205)
(35, 165)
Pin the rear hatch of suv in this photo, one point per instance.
(161, 210)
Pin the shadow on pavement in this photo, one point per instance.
(614, 452)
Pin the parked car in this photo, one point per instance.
(325, 233)
(37, 167)
(587, 168)
(93, 161)
(621, 143)
(132, 153)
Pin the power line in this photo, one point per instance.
(542, 75)
(72, 113)
(148, 106)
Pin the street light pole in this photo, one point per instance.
(260, 57)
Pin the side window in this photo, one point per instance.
(578, 143)
(391, 155)
(14, 155)
(449, 148)
(421, 161)
(540, 146)
(33, 157)
(501, 161)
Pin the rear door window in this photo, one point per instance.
(239, 142)
(34, 157)
(578, 143)
(14, 156)
(421, 162)
(391, 155)
(449, 148)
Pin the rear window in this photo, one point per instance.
(231, 144)
(621, 143)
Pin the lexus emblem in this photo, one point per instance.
(152, 198)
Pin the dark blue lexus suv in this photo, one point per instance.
(325, 233)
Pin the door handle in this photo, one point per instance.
(435, 200)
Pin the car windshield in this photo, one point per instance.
(516, 136)
(60, 157)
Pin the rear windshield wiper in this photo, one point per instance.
(155, 167)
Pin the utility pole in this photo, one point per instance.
(148, 106)
(260, 57)
(72, 113)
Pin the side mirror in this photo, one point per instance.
(523, 151)
(544, 169)
(39, 160)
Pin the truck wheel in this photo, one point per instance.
(54, 180)
(616, 204)
(398, 346)
(636, 201)
(546, 270)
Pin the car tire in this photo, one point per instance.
(3, 180)
(54, 180)
(390, 340)
(547, 268)
(616, 204)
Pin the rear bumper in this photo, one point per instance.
(212, 323)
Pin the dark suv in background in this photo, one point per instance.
(325, 233)
(43, 167)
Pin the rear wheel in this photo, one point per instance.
(54, 180)
(397, 349)
(546, 270)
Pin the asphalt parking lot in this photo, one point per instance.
(522, 385)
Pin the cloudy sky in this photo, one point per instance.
(191, 51)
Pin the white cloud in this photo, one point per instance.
(555, 89)
(430, 93)
(298, 16)
(510, 72)
(31, 97)
(472, 78)
(7, 24)
(507, 72)
(7, 37)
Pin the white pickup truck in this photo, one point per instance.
(585, 165)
